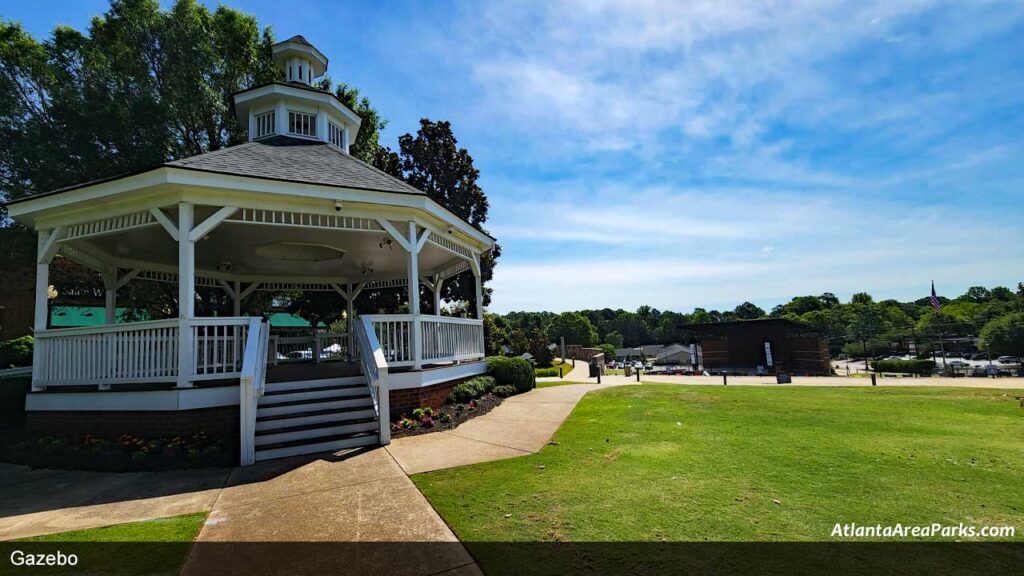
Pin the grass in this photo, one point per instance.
(173, 529)
(560, 383)
(552, 371)
(692, 463)
(153, 547)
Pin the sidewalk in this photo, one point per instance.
(521, 425)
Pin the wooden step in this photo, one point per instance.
(310, 433)
(313, 394)
(325, 417)
(328, 446)
(272, 387)
(263, 412)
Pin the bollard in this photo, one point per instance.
(598, 376)
(559, 371)
(638, 375)
(725, 379)
(873, 383)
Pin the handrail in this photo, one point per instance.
(251, 387)
(375, 367)
(219, 321)
(106, 328)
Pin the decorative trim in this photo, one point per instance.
(304, 220)
(111, 225)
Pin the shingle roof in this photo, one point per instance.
(298, 39)
(295, 160)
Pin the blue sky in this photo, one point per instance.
(703, 153)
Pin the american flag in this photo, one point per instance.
(935, 299)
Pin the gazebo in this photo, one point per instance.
(289, 210)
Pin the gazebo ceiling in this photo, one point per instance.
(254, 250)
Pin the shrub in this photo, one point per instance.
(549, 372)
(16, 353)
(471, 389)
(504, 391)
(515, 372)
(923, 367)
(419, 413)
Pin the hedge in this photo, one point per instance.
(922, 367)
(16, 353)
(515, 372)
(550, 372)
(471, 389)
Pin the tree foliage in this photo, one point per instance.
(432, 161)
(1005, 336)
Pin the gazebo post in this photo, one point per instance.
(42, 312)
(414, 297)
(186, 293)
(110, 294)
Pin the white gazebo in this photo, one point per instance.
(288, 210)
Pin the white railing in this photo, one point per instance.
(442, 338)
(375, 367)
(140, 352)
(323, 346)
(447, 339)
(251, 385)
(217, 345)
(394, 332)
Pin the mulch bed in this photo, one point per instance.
(124, 454)
(460, 413)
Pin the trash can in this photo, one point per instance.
(627, 369)
(594, 369)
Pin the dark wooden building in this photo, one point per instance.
(774, 345)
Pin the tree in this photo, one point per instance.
(317, 307)
(495, 335)
(977, 294)
(539, 342)
(614, 339)
(865, 325)
(862, 298)
(433, 162)
(748, 311)
(574, 327)
(1005, 336)
(367, 142)
(828, 300)
(608, 350)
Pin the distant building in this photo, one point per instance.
(768, 346)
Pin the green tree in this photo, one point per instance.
(574, 327)
(862, 298)
(748, 311)
(1005, 336)
(539, 343)
(977, 294)
(614, 339)
(865, 325)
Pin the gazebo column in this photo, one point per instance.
(186, 293)
(416, 345)
(110, 295)
(46, 249)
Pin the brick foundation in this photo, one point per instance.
(216, 422)
(403, 402)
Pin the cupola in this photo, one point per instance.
(300, 60)
(295, 108)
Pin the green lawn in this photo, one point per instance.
(696, 463)
(552, 371)
(153, 547)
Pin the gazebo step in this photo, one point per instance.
(306, 394)
(263, 412)
(314, 432)
(326, 417)
(280, 451)
(275, 387)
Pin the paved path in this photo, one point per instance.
(521, 425)
(37, 502)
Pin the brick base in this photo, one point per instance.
(403, 402)
(216, 422)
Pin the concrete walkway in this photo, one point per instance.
(38, 502)
(521, 425)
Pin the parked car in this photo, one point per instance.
(894, 357)
(957, 363)
(648, 366)
(1006, 360)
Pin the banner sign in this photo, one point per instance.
(768, 352)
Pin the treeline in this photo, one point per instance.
(860, 326)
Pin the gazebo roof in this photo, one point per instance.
(296, 160)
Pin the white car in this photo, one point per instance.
(1006, 360)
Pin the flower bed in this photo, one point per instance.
(448, 417)
(125, 453)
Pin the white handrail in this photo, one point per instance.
(254, 367)
(375, 367)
